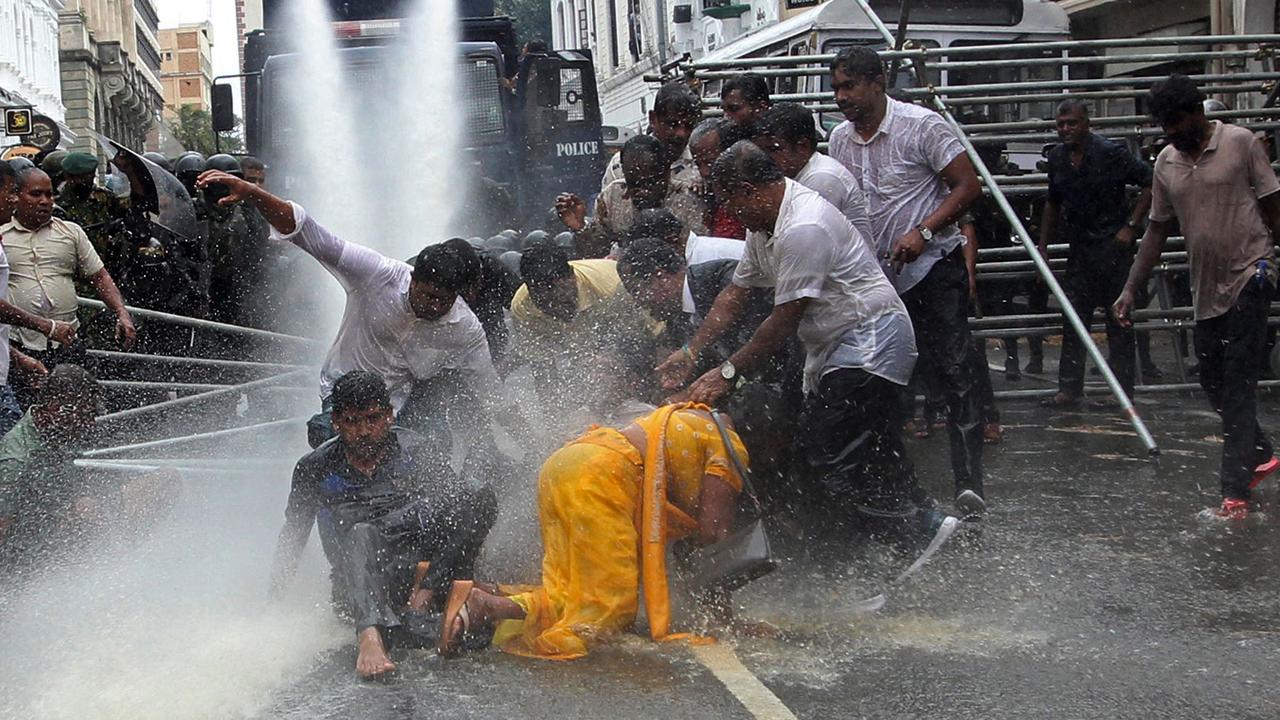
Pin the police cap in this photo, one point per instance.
(79, 163)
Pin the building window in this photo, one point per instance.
(562, 31)
(613, 31)
(635, 41)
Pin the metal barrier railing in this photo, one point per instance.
(1255, 84)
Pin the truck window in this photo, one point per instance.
(482, 94)
(572, 104)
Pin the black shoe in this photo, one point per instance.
(1035, 366)
(1011, 371)
(1151, 372)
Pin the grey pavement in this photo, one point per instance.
(1093, 590)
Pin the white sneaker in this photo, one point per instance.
(970, 504)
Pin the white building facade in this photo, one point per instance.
(632, 38)
(29, 56)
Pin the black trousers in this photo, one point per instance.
(850, 447)
(1230, 348)
(1089, 289)
(379, 557)
(939, 309)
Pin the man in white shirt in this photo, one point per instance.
(786, 131)
(918, 181)
(405, 323)
(857, 337)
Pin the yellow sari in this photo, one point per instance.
(606, 516)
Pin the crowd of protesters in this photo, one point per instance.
(725, 262)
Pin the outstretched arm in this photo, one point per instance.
(764, 343)
(277, 211)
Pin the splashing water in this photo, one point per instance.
(177, 624)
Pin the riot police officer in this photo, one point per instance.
(235, 242)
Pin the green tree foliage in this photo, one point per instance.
(194, 129)
(533, 18)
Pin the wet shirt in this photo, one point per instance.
(328, 491)
(43, 266)
(37, 485)
(836, 185)
(379, 331)
(808, 255)
(899, 171)
(1215, 200)
(616, 213)
(1095, 205)
(700, 249)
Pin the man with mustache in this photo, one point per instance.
(1215, 179)
(918, 181)
(1087, 178)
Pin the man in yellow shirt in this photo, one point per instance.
(567, 315)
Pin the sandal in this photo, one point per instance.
(467, 637)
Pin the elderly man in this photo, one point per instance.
(405, 323)
(46, 255)
(918, 181)
(1216, 181)
(44, 499)
(383, 504)
(857, 337)
(647, 183)
(708, 140)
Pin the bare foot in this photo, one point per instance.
(419, 600)
(476, 613)
(372, 661)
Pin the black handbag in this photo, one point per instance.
(745, 554)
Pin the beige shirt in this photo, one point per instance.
(1215, 199)
(44, 264)
(616, 213)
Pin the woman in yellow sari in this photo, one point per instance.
(608, 503)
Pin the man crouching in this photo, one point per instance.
(383, 504)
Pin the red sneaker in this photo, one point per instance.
(1232, 509)
(1264, 471)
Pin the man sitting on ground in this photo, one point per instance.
(44, 500)
(382, 506)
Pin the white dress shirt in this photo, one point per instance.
(379, 332)
(899, 170)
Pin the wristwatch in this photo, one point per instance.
(728, 371)
(1134, 223)
(925, 232)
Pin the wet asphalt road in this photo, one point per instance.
(1093, 590)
